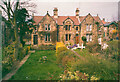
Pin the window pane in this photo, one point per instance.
(48, 26)
(87, 28)
(76, 28)
(45, 26)
(48, 37)
(69, 27)
(90, 27)
(66, 27)
(90, 37)
(66, 37)
(87, 36)
(69, 36)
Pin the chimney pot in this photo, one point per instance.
(55, 12)
(77, 13)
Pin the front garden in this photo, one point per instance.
(41, 65)
(64, 64)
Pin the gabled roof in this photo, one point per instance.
(61, 19)
(108, 24)
(37, 19)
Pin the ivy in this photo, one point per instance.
(53, 35)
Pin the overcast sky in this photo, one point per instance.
(107, 10)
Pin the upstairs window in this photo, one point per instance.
(48, 26)
(76, 28)
(87, 28)
(69, 27)
(45, 26)
(66, 27)
(90, 27)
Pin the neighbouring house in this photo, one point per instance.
(69, 29)
(111, 30)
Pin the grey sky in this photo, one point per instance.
(107, 10)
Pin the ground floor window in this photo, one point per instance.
(68, 37)
(89, 37)
(47, 37)
(35, 40)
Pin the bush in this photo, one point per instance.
(93, 48)
(111, 51)
(44, 47)
(8, 57)
(23, 52)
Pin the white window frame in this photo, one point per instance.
(87, 37)
(90, 37)
(90, 29)
(87, 27)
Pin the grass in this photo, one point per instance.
(34, 70)
(93, 65)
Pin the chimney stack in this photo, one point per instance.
(55, 11)
(104, 19)
(77, 13)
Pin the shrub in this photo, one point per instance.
(8, 57)
(93, 47)
(111, 51)
(104, 69)
(44, 47)
(23, 52)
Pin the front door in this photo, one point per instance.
(77, 39)
(35, 40)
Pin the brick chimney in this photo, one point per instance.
(77, 13)
(55, 11)
(104, 19)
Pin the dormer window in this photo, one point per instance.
(67, 27)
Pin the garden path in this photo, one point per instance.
(9, 75)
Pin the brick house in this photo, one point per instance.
(69, 29)
(110, 30)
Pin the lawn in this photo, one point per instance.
(35, 70)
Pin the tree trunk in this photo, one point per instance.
(17, 41)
